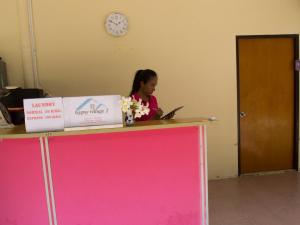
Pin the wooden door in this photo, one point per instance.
(266, 103)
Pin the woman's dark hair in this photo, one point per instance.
(141, 76)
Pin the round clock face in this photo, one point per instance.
(116, 24)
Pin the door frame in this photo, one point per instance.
(296, 94)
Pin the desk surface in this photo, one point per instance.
(19, 131)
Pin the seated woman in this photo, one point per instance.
(143, 87)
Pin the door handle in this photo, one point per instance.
(242, 114)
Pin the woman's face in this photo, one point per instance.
(149, 87)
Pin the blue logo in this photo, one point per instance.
(91, 106)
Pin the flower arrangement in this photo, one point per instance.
(133, 109)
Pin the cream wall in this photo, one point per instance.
(10, 42)
(191, 44)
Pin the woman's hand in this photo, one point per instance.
(159, 113)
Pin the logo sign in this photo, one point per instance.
(297, 65)
(43, 114)
(92, 111)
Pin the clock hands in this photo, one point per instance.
(113, 22)
(116, 23)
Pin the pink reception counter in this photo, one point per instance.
(154, 173)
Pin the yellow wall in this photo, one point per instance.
(10, 43)
(191, 44)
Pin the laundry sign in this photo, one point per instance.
(43, 114)
(92, 111)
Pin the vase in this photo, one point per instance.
(129, 119)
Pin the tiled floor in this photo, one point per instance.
(256, 200)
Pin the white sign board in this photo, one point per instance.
(43, 114)
(92, 111)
